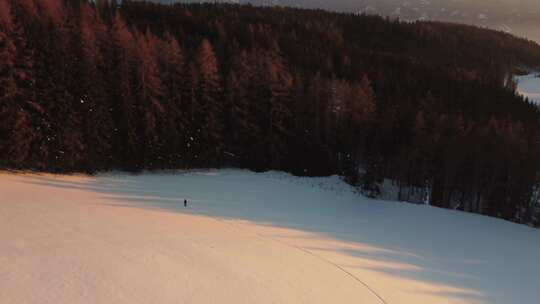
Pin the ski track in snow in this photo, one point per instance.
(248, 238)
(328, 262)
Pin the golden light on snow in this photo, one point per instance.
(128, 239)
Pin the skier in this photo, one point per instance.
(185, 203)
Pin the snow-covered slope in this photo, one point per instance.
(529, 86)
(248, 238)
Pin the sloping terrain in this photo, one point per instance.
(529, 86)
(248, 238)
(519, 17)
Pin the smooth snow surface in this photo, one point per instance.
(529, 86)
(248, 238)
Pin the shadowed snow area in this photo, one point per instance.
(529, 86)
(248, 238)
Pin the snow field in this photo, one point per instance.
(248, 238)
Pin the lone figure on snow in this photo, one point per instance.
(185, 203)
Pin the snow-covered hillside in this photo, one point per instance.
(529, 86)
(248, 238)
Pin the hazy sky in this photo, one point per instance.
(520, 17)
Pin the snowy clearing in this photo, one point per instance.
(529, 86)
(248, 238)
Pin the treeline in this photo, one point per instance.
(93, 85)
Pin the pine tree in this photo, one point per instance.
(189, 108)
(241, 116)
(125, 110)
(19, 132)
(172, 70)
(8, 86)
(5, 16)
(360, 108)
(97, 119)
(29, 7)
(150, 95)
(54, 10)
(279, 116)
(209, 115)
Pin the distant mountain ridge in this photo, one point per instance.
(519, 17)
